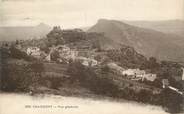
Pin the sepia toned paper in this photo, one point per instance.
(91, 56)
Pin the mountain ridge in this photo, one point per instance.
(166, 26)
(9, 33)
(146, 41)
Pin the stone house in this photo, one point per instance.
(34, 51)
(149, 77)
(87, 61)
(134, 72)
(138, 74)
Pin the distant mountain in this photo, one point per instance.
(23, 32)
(169, 26)
(145, 41)
(85, 28)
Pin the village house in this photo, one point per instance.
(149, 77)
(73, 54)
(34, 51)
(165, 83)
(65, 53)
(131, 72)
(137, 74)
(87, 61)
(63, 48)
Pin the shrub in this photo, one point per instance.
(15, 53)
(18, 77)
(89, 79)
(171, 100)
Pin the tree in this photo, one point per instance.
(172, 100)
(105, 69)
(16, 42)
(152, 63)
(55, 55)
(88, 78)
(37, 67)
(15, 53)
(55, 36)
(16, 77)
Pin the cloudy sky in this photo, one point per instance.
(80, 13)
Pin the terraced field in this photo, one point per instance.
(55, 70)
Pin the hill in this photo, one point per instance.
(169, 26)
(145, 41)
(23, 32)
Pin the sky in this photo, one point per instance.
(82, 13)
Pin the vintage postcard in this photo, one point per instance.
(91, 56)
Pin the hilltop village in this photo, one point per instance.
(74, 62)
(65, 54)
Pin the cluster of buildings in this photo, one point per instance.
(133, 74)
(137, 74)
(65, 55)
(34, 51)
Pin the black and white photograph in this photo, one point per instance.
(91, 56)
